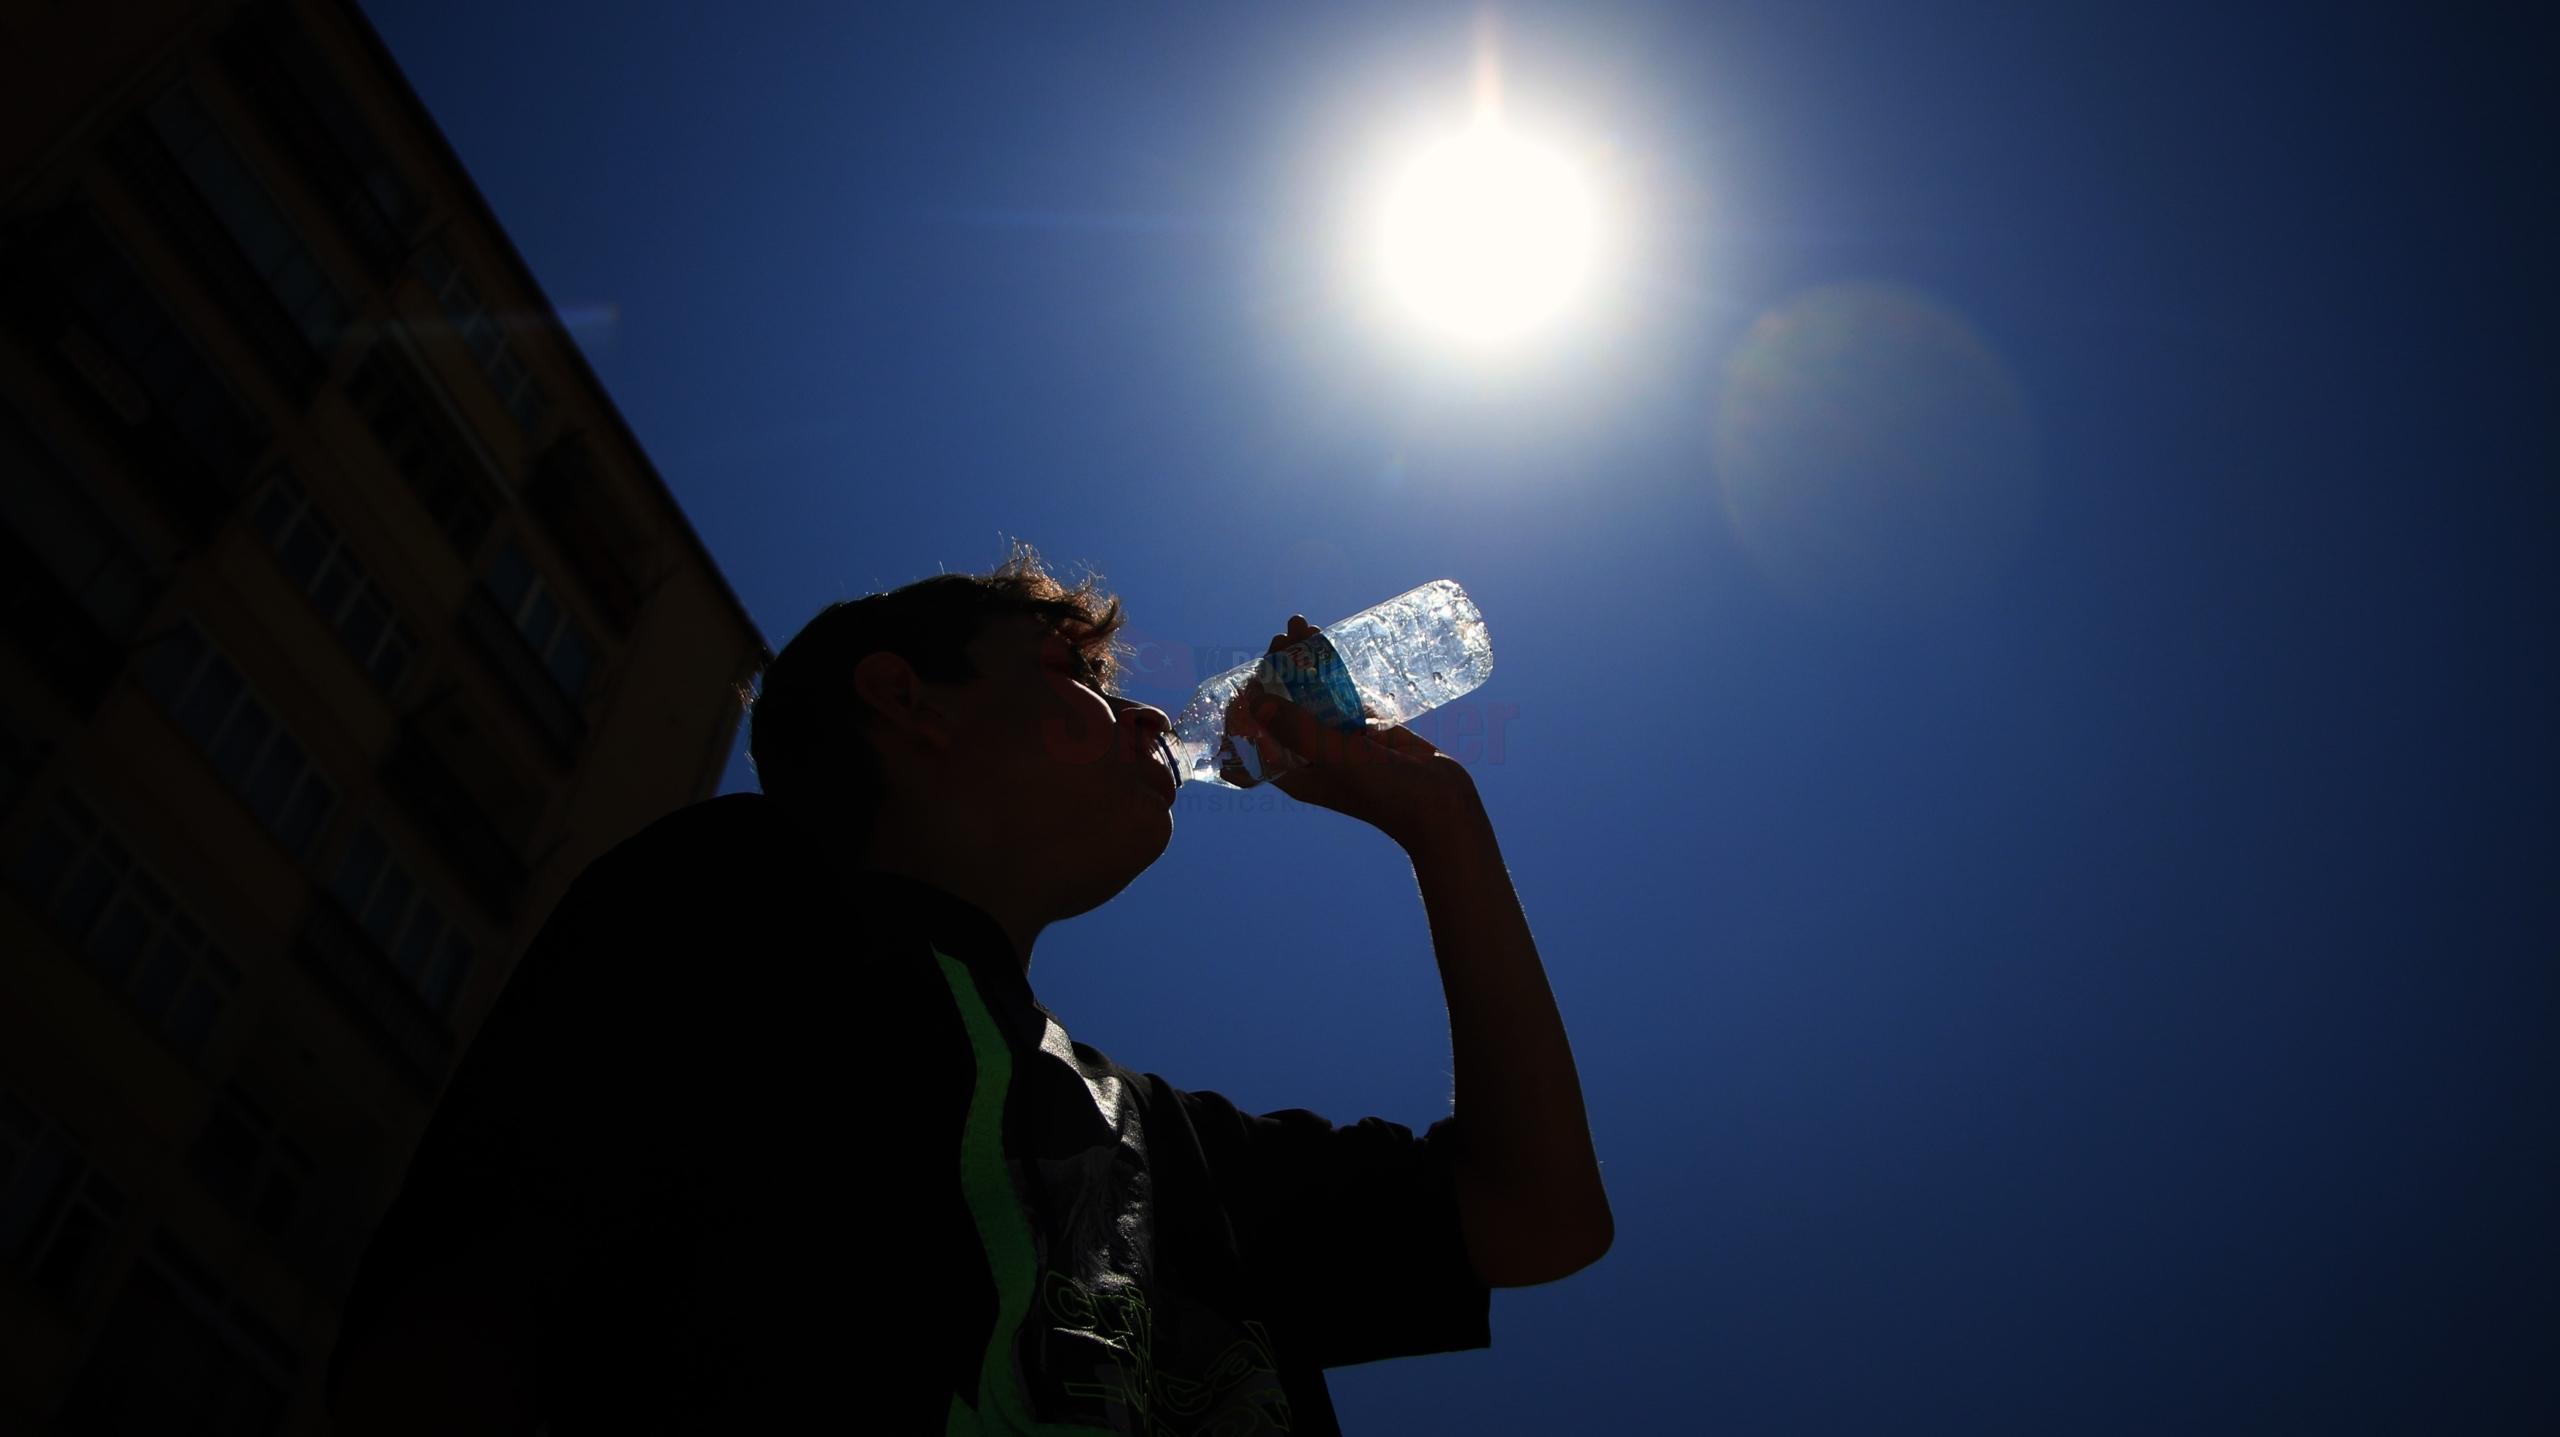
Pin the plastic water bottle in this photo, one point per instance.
(1379, 667)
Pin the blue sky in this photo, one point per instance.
(2021, 623)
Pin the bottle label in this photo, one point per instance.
(1311, 674)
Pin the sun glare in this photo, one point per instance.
(1487, 236)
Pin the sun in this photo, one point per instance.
(1487, 237)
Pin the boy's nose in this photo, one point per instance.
(1148, 728)
(1150, 722)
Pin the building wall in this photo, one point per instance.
(342, 622)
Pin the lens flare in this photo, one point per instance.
(1874, 451)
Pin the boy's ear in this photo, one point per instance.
(899, 702)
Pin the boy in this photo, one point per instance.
(768, 1127)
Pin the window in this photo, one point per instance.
(63, 527)
(462, 797)
(105, 324)
(19, 760)
(58, 1216)
(316, 558)
(207, 697)
(483, 333)
(411, 932)
(180, 1354)
(345, 959)
(119, 917)
(255, 1170)
(292, 278)
(591, 525)
(529, 601)
(73, 592)
(426, 444)
(310, 116)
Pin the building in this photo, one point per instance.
(342, 620)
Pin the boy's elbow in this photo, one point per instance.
(1585, 1245)
(1521, 1240)
(1528, 1254)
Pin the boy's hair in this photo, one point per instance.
(806, 726)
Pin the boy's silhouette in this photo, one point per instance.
(768, 1127)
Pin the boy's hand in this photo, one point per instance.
(1389, 777)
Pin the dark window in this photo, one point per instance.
(315, 557)
(232, 1149)
(589, 525)
(345, 959)
(181, 1355)
(250, 216)
(71, 291)
(279, 1210)
(361, 868)
(58, 1216)
(255, 1170)
(121, 918)
(496, 627)
(408, 928)
(310, 116)
(208, 698)
(485, 335)
(58, 521)
(19, 760)
(426, 444)
(448, 809)
(174, 157)
(73, 592)
(530, 604)
(510, 579)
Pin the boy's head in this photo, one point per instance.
(972, 711)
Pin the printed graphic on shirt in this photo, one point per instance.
(1086, 1340)
(1237, 1395)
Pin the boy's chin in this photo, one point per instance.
(1105, 870)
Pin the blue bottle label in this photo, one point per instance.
(1311, 674)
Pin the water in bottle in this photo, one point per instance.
(1380, 667)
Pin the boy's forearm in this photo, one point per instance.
(1528, 1179)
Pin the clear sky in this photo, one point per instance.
(2024, 680)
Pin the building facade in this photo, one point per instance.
(342, 621)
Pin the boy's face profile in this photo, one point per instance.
(1063, 770)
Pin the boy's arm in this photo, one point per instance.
(1529, 1190)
